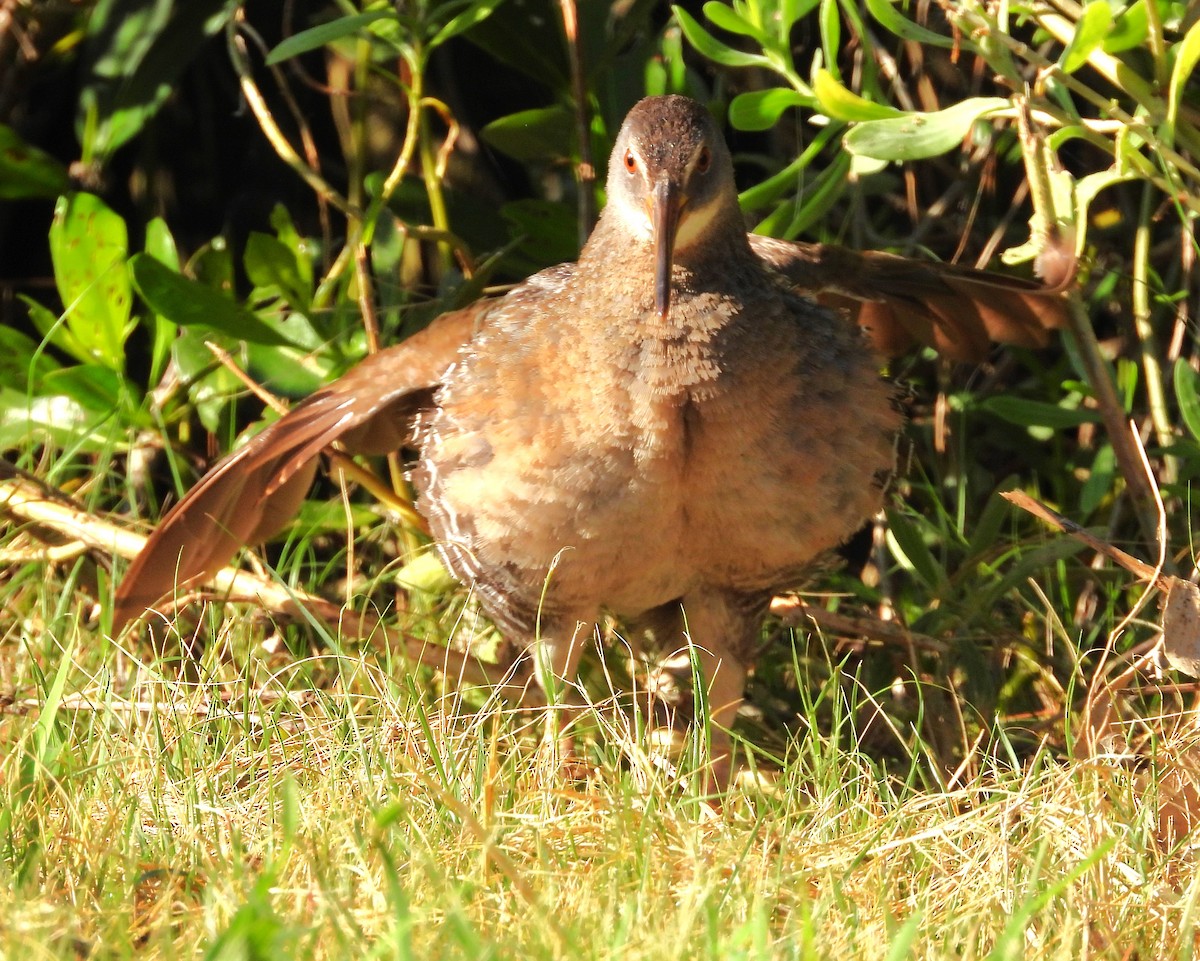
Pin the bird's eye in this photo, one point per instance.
(703, 160)
(630, 162)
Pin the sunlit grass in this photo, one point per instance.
(325, 807)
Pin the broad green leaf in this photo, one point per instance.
(1101, 480)
(57, 419)
(911, 550)
(821, 192)
(210, 386)
(791, 11)
(425, 572)
(212, 265)
(189, 303)
(712, 48)
(830, 20)
(88, 246)
(26, 171)
(270, 263)
(761, 109)
(94, 388)
(1090, 31)
(475, 14)
(842, 104)
(995, 514)
(316, 37)
(725, 17)
(136, 50)
(23, 363)
(1129, 30)
(1187, 54)
(546, 133)
(792, 177)
(298, 371)
(1187, 396)
(550, 231)
(1036, 413)
(531, 45)
(889, 17)
(914, 136)
(161, 246)
(54, 330)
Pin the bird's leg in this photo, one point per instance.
(720, 628)
(557, 649)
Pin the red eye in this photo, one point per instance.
(704, 160)
(630, 161)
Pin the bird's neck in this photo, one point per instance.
(620, 267)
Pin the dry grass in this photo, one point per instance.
(332, 807)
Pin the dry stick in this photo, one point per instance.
(1134, 565)
(792, 611)
(28, 503)
(1147, 341)
(587, 168)
(1099, 377)
(262, 113)
(309, 143)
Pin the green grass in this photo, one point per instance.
(335, 806)
(936, 795)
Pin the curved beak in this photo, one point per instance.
(665, 202)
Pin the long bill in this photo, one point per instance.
(664, 219)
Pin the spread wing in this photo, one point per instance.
(899, 302)
(251, 494)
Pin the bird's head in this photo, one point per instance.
(670, 181)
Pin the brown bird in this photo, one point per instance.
(668, 430)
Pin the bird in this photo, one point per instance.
(667, 431)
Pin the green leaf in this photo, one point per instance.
(995, 514)
(475, 14)
(1129, 30)
(316, 37)
(161, 246)
(1100, 481)
(23, 364)
(885, 12)
(298, 371)
(136, 51)
(729, 19)
(270, 263)
(1090, 31)
(88, 246)
(713, 49)
(26, 171)
(1187, 396)
(914, 136)
(210, 385)
(189, 303)
(54, 329)
(1187, 54)
(549, 231)
(911, 550)
(842, 104)
(545, 133)
(761, 109)
(94, 388)
(1036, 413)
(425, 573)
(56, 419)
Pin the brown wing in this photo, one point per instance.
(252, 493)
(900, 302)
